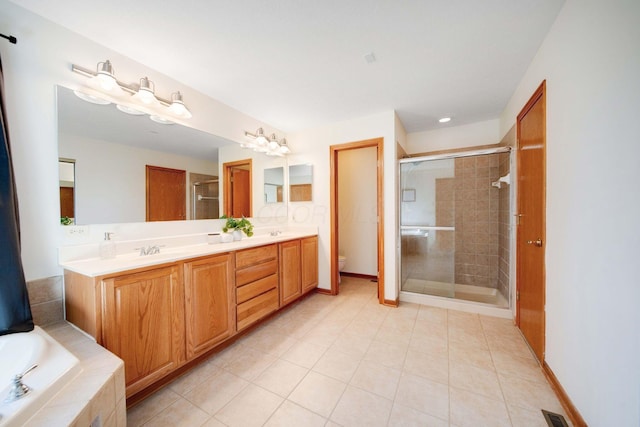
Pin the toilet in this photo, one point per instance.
(341, 261)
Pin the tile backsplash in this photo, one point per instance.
(46, 298)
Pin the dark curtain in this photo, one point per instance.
(15, 311)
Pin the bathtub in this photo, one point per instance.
(56, 367)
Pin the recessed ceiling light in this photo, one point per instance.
(445, 119)
(370, 58)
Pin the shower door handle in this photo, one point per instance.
(538, 242)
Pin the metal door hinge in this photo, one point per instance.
(517, 295)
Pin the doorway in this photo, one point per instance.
(237, 188)
(166, 198)
(530, 266)
(334, 200)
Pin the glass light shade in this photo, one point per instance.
(273, 142)
(104, 79)
(161, 120)
(91, 98)
(284, 147)
(129, 110)
(177, 107)
(145, 92)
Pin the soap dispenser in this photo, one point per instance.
(107, 247)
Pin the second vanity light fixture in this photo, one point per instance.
(270, 146)
(141, 95)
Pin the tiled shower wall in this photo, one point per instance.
(45, 296)
(204, 208)
(476, 220)
(504, 227)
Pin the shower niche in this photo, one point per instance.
(455, 226)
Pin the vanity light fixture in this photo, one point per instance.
(102, 81)
(261, 144)
(145, 92)
(177, 107)
(445, 119)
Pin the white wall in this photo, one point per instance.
(358, 210)
(591, 62)
(42, 59)
(452, 137)
(312, 146)
(105, 193)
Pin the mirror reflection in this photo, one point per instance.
(111, 152)
(273, 185)
(300, 183)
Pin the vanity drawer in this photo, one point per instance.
(259, 271)
(256, 288)
(249, 257)
(256, 308)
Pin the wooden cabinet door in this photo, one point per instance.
(143, 324)
(290, 277)
(209, 290)
(309, 246)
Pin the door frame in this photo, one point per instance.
(334, 150)
(540, 93)
(226, 176)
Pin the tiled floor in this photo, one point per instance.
(347, 361)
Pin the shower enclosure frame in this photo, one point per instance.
(453, 303)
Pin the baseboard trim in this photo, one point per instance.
(569, 407)
(358, 275)
(324, 291)
(391, 302)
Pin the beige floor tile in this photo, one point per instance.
(377, 379)
(424, 395)
(324, 337)
(194, 377)
(434, 315)
(213, 394)
(270, 342)
(291, 415)
(392, 336)
(403, 416)
(529, 394)
(212, 422)
(281, 377)
(434, 345)
(180, 413)
(338, 365)
(521, 417)
(430, 366)
(463, 320)
(352, 344)
(514, 345)
(362, 328)
(474, 379)
(480, 358)
(523, 367)
(251, 407)
(427, 329)
(357, 407)
(385, 354)
(305, 354)
(470, 338)
(473, 410)
(249, 364)
(228, 354)
(318, 393)
(151, 407)
(397, 322)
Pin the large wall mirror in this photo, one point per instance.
(110, 152)
(300, 183)
(274, 185)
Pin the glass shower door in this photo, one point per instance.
(427, 230)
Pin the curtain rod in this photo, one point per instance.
(11, 39)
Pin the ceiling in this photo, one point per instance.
(298, 64)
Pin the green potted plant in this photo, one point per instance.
(237, 227)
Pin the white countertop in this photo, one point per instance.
(94, 266)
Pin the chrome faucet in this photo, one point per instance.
(149, 250)
(18, 388)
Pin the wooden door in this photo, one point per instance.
(237, 188)
(290, 275)
(143, 324)
(67, 202)
(530, 289)
(166, 194)
(309, 265)
(209, 289)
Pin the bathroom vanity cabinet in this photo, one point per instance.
(159, 318)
